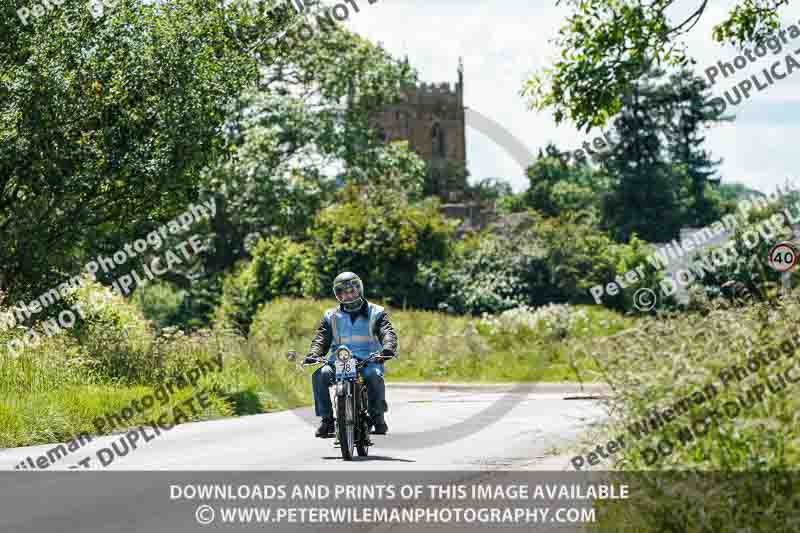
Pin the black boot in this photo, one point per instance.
(380, 426)
(326, 428)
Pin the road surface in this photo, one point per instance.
(430, 428)
(436, 435)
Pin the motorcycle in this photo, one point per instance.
(352, 420)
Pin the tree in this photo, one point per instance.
(280, 267)
(106, 123)
(688, 108)
(606, 46)
(111, 126)
(445, 177)
(556, 187)
(274, 180)
(385, 244)
(293, 140)
(309, 113)
(646, 193)
(663, 178)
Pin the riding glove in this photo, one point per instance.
(385, 354)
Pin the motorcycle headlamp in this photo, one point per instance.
(343, 355)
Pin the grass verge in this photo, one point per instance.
(55, 390)
(701, 373)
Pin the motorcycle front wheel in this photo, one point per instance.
(346, 422)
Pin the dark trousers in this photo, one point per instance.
(324, 376)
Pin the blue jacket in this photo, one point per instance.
(364, 331)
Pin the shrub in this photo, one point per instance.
(280, 267)
(488, 276)
(580, 257)
(510, 203)
(159, 302)
(112, 337)
(384, 245)
(556, 188)
(553, 260)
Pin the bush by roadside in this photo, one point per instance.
(56, 389)
(662, 362)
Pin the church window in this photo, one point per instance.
(437, 141)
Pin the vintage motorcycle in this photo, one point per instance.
(350, 402)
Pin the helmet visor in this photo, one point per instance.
(348, 291)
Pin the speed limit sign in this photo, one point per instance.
(782, 257)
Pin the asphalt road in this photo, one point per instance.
(430, 428)
(437, 435)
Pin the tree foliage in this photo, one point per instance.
(303, 131)
(608, 45)
(280, 267)
(106, 122)
(661, 177)
(557, 187)
(536, 261)
(384, 244)
(112, 125)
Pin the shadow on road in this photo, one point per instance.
(374, 458)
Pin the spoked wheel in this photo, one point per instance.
(363, 438)
(346, 423)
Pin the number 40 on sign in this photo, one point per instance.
(783, 257)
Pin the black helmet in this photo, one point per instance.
(342, 286)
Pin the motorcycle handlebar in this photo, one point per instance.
(371, 357)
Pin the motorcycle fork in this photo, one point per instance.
(362, 410)
(348, 391)
(357, 390)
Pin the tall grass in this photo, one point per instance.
(440, 347)
(661, 361)
(55, 389)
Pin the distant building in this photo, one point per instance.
(431, 118)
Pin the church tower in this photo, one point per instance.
(431, 118)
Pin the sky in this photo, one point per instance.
(504, 43)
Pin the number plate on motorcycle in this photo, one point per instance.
(346, 369)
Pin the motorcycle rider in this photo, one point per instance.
(364, 328)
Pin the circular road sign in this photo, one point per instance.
(782, 257)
